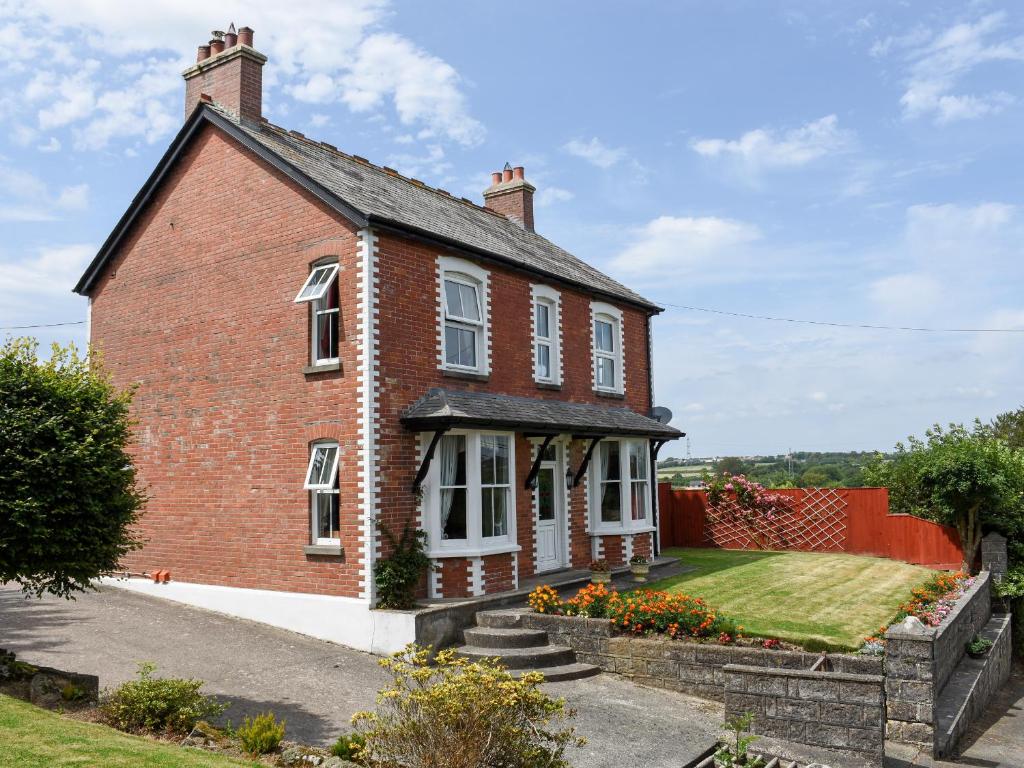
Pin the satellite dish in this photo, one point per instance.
(661, 414)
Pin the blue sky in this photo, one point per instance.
(844, 162)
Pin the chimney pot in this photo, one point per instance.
(216, 46)
(518, 172)
(245, 36)
(506, 175)
(234, 80)
(204, 53)
(496, 178)
(230, 38)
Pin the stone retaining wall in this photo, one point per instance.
(679, 665)
(919, 661)
(827, 709)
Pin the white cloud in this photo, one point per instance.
(551, 195)
(683, 245)
(316, 56)
(74, 198)
(319, 120)
(913, 294)
(26, 197)
(424, 89)
(50, 272)
(938, 61)
(769, 149)
(52, 145)
(433, 163)
(595, 152)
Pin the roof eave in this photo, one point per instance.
(201, 115)
(433, 423)
(403, 228)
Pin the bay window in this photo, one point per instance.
(621, 495)
(469, 496)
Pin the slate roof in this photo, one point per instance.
(453, 408)
(387, 196)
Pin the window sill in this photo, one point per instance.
(499, 549)
(549, 386)
(623, 531)
(610, 394)
(324, 550)
(312, 370)
(467, 375)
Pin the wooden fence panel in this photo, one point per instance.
(853, 520)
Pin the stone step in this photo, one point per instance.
(502, 637)
(523, 658)
(499, 619)
(573, 671)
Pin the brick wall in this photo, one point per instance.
(196, 310)
(408, 367)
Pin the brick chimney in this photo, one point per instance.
(511, 194)
(230, 71)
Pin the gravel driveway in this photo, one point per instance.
(314, 684)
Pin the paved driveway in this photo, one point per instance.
(314, 684)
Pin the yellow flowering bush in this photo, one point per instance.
(454, 713)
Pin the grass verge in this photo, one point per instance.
(818, 600)
(36, 738)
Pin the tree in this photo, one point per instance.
(68, 495)
(732, 465)
(964, 478)
(1009, 427)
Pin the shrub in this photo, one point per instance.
(600, 566)
(545, 599)
(349, 746)
(261, 734)
(675, 615)
(398, 574)
(638, 560)
(979, 645)
(159, 703)
(454, 713)
(68, 495)
(591, 602)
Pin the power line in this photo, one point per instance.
(845, 325)
(45, 325)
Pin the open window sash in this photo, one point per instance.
(317, 284)
(323, 468)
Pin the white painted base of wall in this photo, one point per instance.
(345, 620)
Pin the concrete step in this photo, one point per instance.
(501, 637)
(499, 619)
(574, 671)
(523, 658)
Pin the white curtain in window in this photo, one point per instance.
(449, 470)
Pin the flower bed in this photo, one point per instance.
(932, 602)
(643, 612)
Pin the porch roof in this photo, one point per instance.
(446, 409)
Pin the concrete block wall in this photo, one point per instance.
(919, 663)
(688, 667)
(828, 709)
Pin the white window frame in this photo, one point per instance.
(606, 313)
(474, 545)
(626, 523)
(467, 273)
(319, 488)
(546, 296)
(317, 301)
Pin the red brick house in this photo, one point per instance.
(323, 347)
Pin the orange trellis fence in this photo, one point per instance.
(853, 520)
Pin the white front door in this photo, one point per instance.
(550, 515)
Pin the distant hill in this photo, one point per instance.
(801, 469)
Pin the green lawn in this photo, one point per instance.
(31, 737)
(813, 599)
